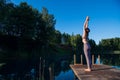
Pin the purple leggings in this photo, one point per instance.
(87, 54)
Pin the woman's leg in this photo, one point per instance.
(87, 56)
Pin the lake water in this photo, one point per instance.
(61, 72)
(67, 75)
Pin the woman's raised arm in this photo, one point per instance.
(86, 22)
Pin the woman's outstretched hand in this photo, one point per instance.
(87, 18)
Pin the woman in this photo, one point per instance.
(85, 41)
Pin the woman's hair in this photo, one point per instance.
(87, 29)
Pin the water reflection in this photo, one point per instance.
(97, 61)
(111, 59)
(117, 67)
(45, 69)
(67, 75)
(35, 70)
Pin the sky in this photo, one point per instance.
(70, 15)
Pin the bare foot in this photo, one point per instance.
(88, 70)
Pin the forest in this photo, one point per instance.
(27, 32)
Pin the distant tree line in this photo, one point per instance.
(111, 44)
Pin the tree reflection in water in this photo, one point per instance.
(41, 69)
(46, 69)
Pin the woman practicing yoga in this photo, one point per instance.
(87, 47)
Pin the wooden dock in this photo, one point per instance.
(99, 72)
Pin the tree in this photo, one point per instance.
(57, 37)
(93, 46)
(66, 39)
(73, 40)
(20, 21)
(5, 10)
(110, 44)
(79, 44)
(49, 24)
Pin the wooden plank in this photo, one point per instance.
(99, 72)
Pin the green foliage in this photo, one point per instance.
(57, 37)
(25, 29)
(73, 42)
(49, 30)
(21, 22)
(93, 46)
(26, 22)
(3, 10)
(31, 31)
(76, 41)
(110, 44)
(66, 38)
